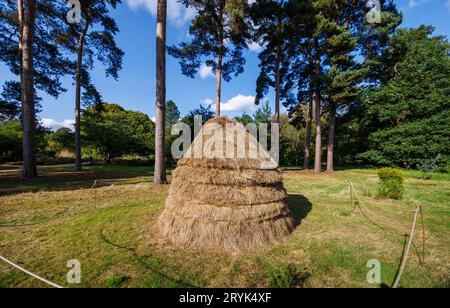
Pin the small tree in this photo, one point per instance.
(244, 119)
(172, 114)
(220, 34)
(11, 135)
(263, 115)
(63, 139)
(204, 112)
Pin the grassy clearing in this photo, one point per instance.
(111, 230)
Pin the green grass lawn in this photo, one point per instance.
(111, 230)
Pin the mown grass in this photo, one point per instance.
(111, 230)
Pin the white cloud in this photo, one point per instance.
(207, 102)
(414, 3)
(240, 103)
(177, 13)
(153, 119)
(236, 105)
(54, 124)
(255, 47)
(206, 71)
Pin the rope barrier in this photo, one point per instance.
(363, 208)
(30, 273)
(360, 204)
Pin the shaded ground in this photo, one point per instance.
(63, 178)
(111, 230)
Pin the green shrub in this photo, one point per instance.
(116, 281)
(286, 276)
(391, 183)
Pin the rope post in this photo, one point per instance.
(405, 257)
(95, 192)
(423, 235)
(351, 194)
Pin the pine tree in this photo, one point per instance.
(298, 86)
(270, 18)
(172, 114)
(93, 36)
(220, 34)
(36, 58)
(338, 21)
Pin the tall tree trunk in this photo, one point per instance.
(310, 108)
(308, 132)
(20, 15)
(317, 102)
(78, 97)
(278, 72)
(220, 57)
(277, 87)
(219, 81)
(29, 169)
(331, 138)
(160, 155)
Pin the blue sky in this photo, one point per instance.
(135, 88)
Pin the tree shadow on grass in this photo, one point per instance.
(11, 184)
(300, 207)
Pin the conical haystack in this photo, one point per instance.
(232, 204)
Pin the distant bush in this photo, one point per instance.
(439, 164)
(391, 183)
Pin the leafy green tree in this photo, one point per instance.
(172, 114)
(244, 119)
(263, 114)
(113, 131)
(220, 34)
(354, 123)
(63, 139)
(92, 38)
(204, 112)
(290, 145)
(10, 101)
(410, 110)
(11, 135)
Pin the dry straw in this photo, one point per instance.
(228, 204)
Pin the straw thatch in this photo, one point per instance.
(229, 204)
